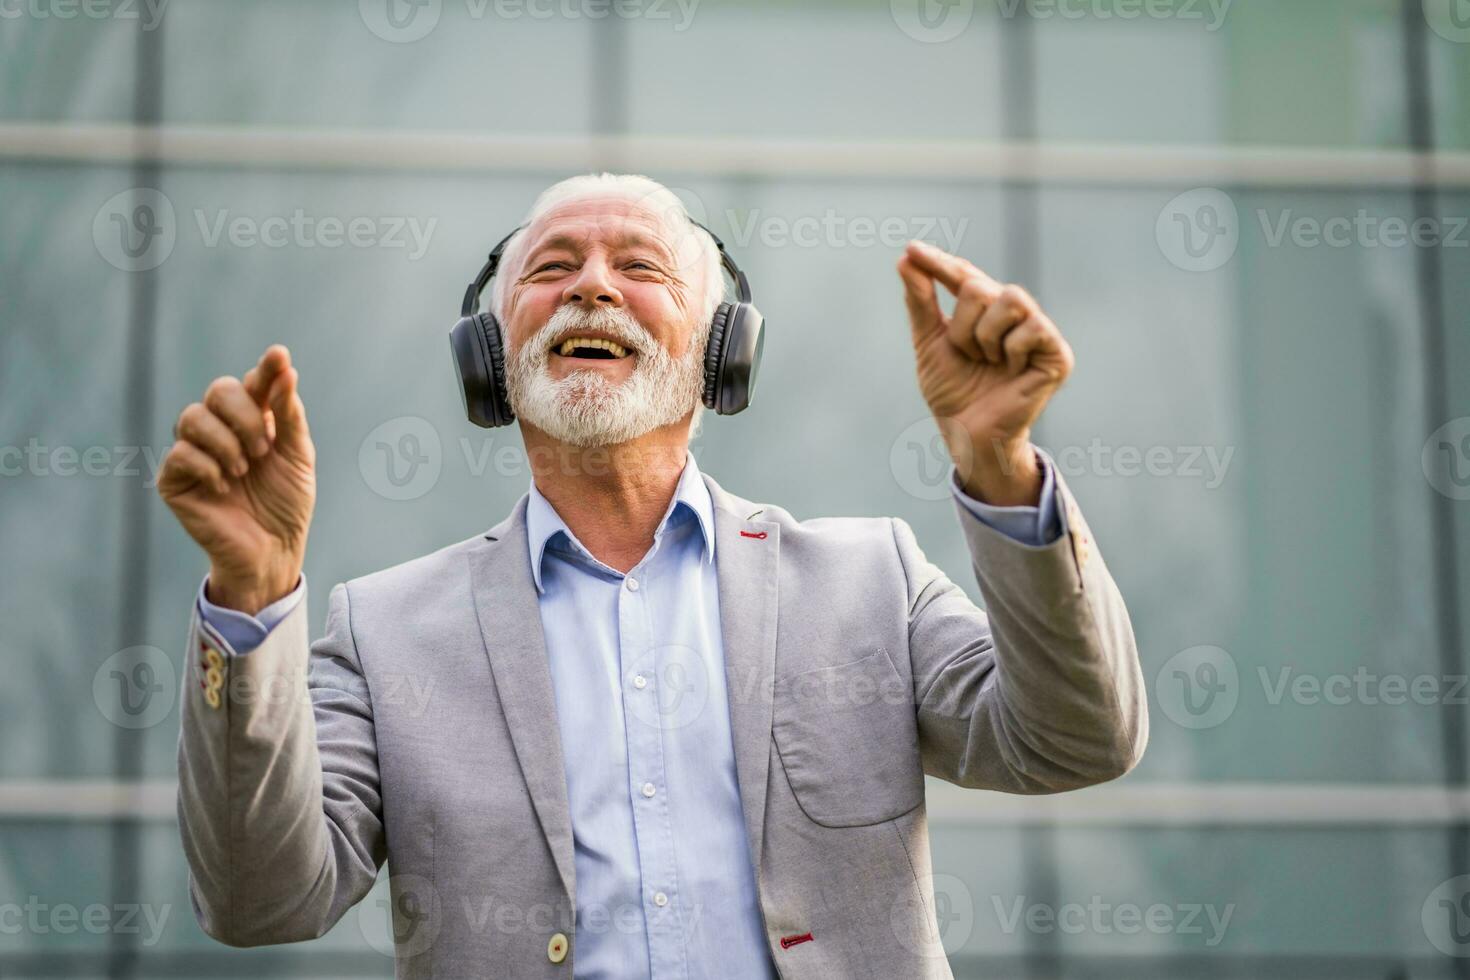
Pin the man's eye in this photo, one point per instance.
(552, 265)
(640, 264)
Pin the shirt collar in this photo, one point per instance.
(543, 522)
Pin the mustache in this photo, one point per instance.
(621, 325)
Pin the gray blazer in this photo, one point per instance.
(422, 731)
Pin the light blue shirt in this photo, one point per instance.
(638, 670)
(665, 883)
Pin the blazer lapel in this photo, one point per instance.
(747, 553)
(509, 615)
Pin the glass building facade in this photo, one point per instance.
(1249, 218)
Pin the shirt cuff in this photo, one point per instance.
(1034, 526)
(242, 631)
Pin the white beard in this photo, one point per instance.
(585, 409)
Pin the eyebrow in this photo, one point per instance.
(572, 243)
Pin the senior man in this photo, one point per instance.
(664, 731)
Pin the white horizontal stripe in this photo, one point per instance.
(87, 799)
(1124, 805)
(1207, 805)
(347, 149)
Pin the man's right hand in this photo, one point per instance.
(241, 479)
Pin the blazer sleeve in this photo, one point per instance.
(279, 804)
(1044, 694)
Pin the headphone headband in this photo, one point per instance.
(476, 289)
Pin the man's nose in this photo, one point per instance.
(593, 285)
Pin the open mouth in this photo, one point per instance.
(591, 348)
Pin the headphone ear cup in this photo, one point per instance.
(479, 360)
(495, 344)
(713, 353)
(736, 338)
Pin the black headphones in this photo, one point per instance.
(730, 362)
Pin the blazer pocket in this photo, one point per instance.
(849, 742)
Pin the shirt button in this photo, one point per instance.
(640, 682)
(648, 789)
(660, 899)
(632, 585)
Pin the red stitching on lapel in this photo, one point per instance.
(753, 534)
(788, 941)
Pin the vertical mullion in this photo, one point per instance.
(1437, 408)
(129, 745)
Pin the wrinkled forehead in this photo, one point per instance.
(613, 222)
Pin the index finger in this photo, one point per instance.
(951, 270)
(273, 363)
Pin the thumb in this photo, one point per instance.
(919, 296)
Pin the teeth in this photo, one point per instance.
(572, 343)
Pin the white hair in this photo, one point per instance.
(629, 187)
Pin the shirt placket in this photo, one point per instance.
(652, 820)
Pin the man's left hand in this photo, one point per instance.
(986, 371)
